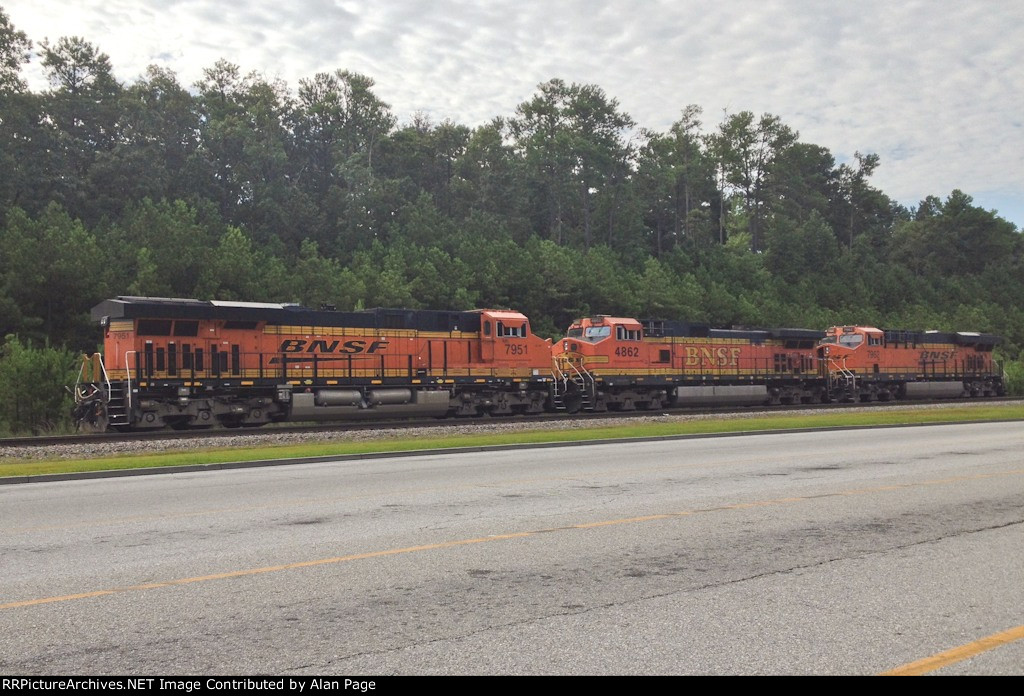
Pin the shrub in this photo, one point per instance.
(33, 398)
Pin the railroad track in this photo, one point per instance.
(482, 421)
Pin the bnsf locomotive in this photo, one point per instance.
(866, 363)
(615, 363)
(189, 363)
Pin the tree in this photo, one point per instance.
(52, 269)
(83, 110)
(243, 153)
(422, 157)
(859, 200)
(337, 118)
(317, 281)
(798, 250)
(161, 247)
(954, 238)
(802, 182)
(22, 155)
(675, 181)
(15, 50)
(571, 137)
(237, 270)
(159, 125)
(489, 178)
(337, 126)
(747, 151)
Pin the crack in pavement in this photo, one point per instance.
(662, 595)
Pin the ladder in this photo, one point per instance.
(117, 406)
(582, 382)
(840, 378)
(94, 386)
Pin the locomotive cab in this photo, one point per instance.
(506, 337)
(841, 342)
(846, 354)
(598, 364)
(602, 339)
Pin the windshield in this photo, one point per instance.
(594, 333)
(851, 340)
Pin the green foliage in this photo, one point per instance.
(1014, 377)
(32, 382)
(52, 269)
(238, 270)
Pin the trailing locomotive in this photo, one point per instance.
(616, 363)
(189, 363)
(864, 363)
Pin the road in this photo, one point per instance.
(815, 553)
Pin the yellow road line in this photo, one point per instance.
(954, 655)
(497, 537)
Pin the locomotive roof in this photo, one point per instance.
(128, 307)
(661, 328)
(908, 336)
(505, 314)
(963, 338)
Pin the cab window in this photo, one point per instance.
(512, 330)
(851, 340)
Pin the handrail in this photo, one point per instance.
(106, 377)
(102, 378)
(583, 374)
(557, 375)
(128, 372)
(842, 370)
(79, 397)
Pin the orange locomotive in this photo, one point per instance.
(864, 363)
(189, 363)
(618, 363)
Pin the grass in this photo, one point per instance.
(654, 429)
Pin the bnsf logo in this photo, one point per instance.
(297, 345)
(938, 355)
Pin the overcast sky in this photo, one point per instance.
(935, 87)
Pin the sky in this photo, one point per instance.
(934, 87)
